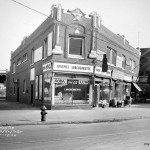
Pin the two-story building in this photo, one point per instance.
(60, 63)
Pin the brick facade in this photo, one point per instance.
(96, 39)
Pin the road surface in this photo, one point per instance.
(126, 135)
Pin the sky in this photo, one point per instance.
(126, 17)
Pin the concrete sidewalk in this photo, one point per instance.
(95, 115)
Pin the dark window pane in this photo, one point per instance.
(75, 46)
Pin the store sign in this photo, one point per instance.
(47, 67)
(118, 75)
(72, 67)
(143, 79)
(98, 71)
(128, 78)
(100, 55)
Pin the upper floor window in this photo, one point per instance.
(132, 65)
(36, 55)
(75, 47)
(111, 56)
(18, 61)
(45, 48)
(32, 56)
(14, 68)
(123, 61)
(24, 57)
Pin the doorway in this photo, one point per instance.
(18, 93)
(31, 94)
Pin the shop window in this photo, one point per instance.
(76, 47)
(70, 91)
(47, 86)
(38, 87)
(111, 56)
(104, 91)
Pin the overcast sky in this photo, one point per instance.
(126, 17)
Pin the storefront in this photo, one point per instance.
(68, 84)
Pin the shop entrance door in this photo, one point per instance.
(31, 93)
(96, 93)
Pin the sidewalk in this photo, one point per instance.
(95, 115)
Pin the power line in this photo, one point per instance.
(30, 8)
(75, 28)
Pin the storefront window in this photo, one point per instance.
(47, 86)
(104, 91)
(71, 91)
(119, 91)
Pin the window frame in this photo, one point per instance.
(123, 61)
(13, 67)
(25, 57)
(83, 46)
(19, 61)
(109, 56)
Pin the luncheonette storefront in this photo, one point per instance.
(76, 84)
(66, 83)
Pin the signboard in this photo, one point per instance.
(98, 71)
(47, 67)
(100, 55)
(143, 79)
(72, 67)
(118, 75)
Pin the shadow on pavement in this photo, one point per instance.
(6, 105)
(141, 105)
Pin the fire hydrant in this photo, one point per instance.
(43, 113)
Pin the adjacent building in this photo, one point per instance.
(60, 63)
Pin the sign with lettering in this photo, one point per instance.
(47, 67)
(72, 67)
(98, 71)
(118, 74)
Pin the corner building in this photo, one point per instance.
(60, 63)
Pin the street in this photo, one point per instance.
(131, 135)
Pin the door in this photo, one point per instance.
(31, 93)
(17, 93)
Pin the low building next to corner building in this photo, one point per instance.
(60, 63)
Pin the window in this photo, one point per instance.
(38, 87)
(123, 61)
(14, 68)
(76, 47)
(111, 56)
(37, 54)
(24, 57)
(24, 86)
(18, 61)
(70, 91)
(45, 48)
(132, 65)
(32, 56)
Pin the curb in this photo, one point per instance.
(74, 122)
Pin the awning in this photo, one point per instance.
(137, 87)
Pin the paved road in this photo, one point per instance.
(125, 135)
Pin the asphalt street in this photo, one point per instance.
(131, 135)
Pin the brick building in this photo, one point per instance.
(60, 63)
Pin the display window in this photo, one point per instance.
(104, 91)
(71, 91)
